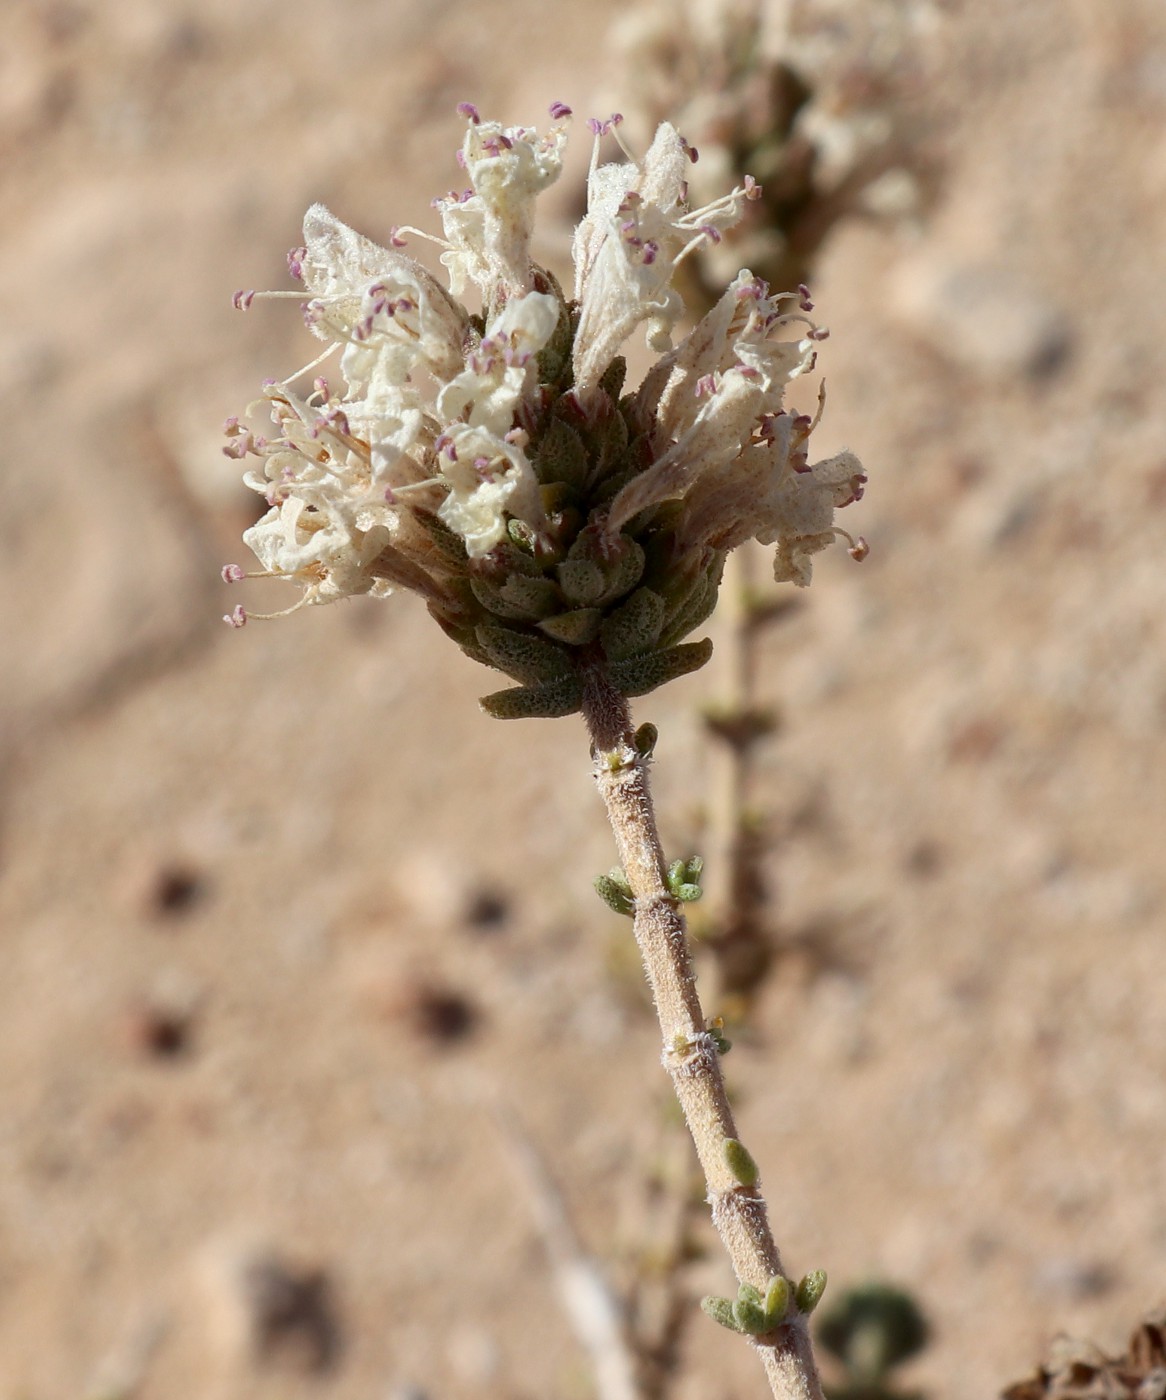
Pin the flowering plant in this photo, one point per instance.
(491, 461)
(561, 530)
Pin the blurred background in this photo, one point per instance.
(284, 914)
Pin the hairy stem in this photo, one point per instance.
(690, 1054)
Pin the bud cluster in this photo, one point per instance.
(492, 461)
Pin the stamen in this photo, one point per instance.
(467, 109)
(237, 617)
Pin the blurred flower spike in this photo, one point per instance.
(491, 461)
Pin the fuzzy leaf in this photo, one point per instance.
(645, 739)
(582, 581)
(634, 627)
(615, 892)
(740, 1162)
(550, 701)
(561, 457)
(576, 628)
(777, 1299)
(449, 545)
(524, 657)
(810, 1289)
(720, 1310)
(640, 675)
(749, 1317)
(536, 598)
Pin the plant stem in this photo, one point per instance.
(690, 1054)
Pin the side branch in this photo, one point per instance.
(690, 1052)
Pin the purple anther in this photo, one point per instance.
(752, 188)
(395, 239)
(241, 301)
(559, 110)
(651, 248)
(236, 450)
(596, 127)
(614, 119)
(804, 296)
(237, 617)
(711, 232)
(859, 550)
(232, 427)
(706, 384)
(232, 573)
(467, 109)
(295, 262)
(505, 142)
(690, 151)
(818, 333)
(460, 156)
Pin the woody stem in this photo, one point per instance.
(690, 1053)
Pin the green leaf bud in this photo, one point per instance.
(739, 1162)
(720, 1310)
(749, 1293)
(614, 890)
(777, 1299)
(810, 1289)
(645, 739)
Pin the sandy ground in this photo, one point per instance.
(281, 909)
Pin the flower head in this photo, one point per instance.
(490, 460)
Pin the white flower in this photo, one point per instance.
(489, 479)
(627, 246)
(489, 227)
(450, 434)
(710, 395)
(500, 367)
(799, 514)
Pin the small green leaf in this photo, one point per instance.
(809, 1291)
(749, 1293)
(616, 893)
(749, 1317)
(740, 1162)
(684, 879)
(720, 1310)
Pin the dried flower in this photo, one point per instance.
(490, 462)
